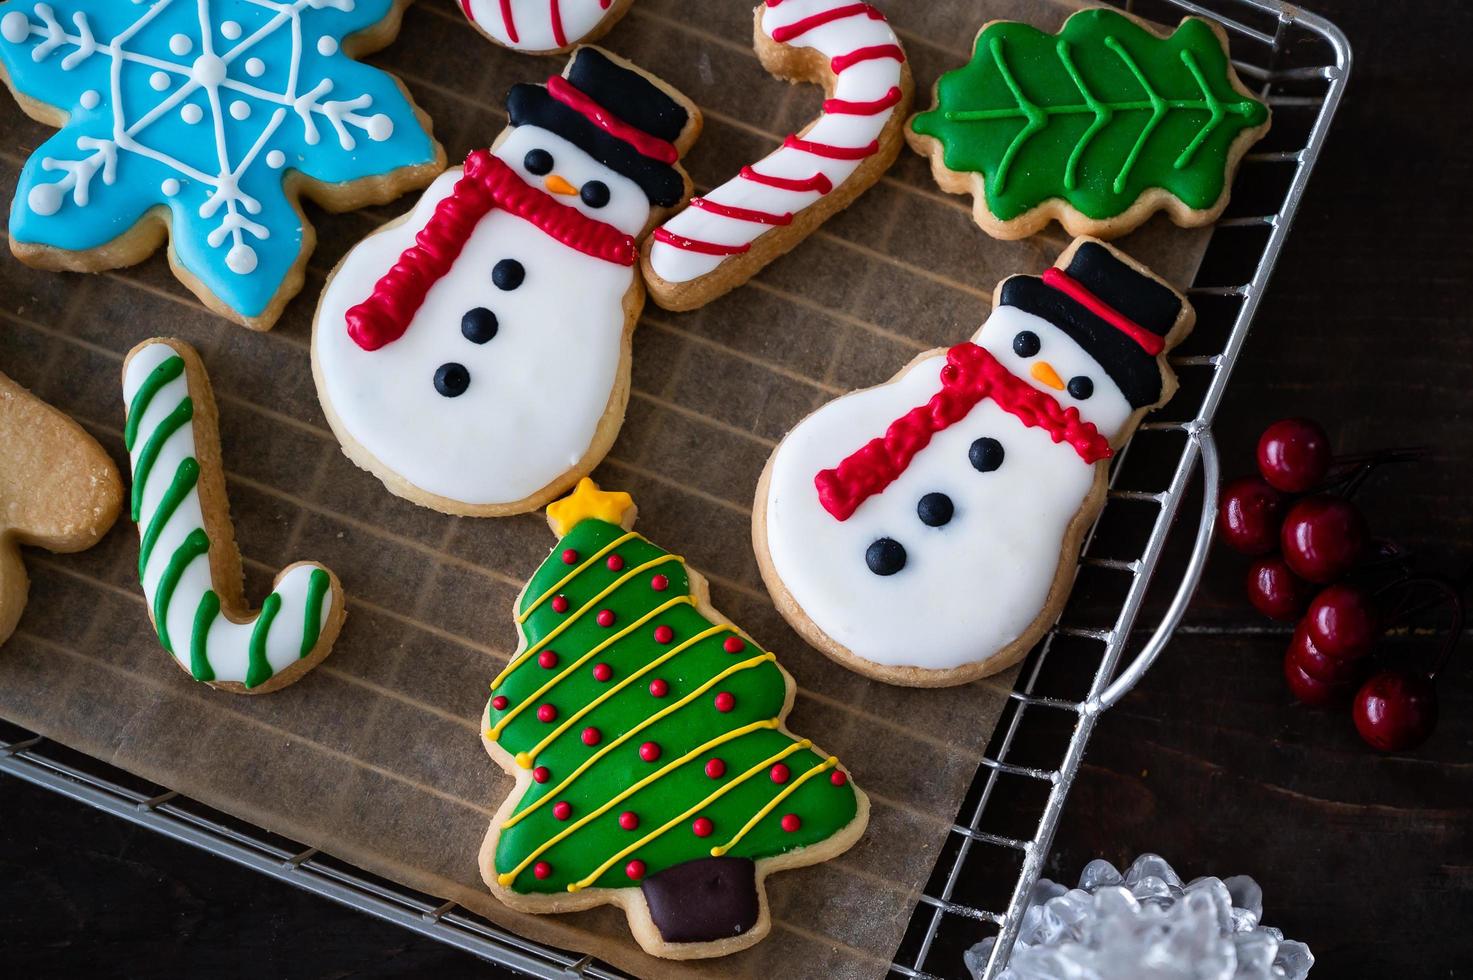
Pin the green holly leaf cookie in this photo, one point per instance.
(1098, 126)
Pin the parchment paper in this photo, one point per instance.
(374, 757)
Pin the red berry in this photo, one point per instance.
(541, 869)
(634, 869)
(570, 556)
(1322, 538)
(1306, 689)
(615, 563)
(734, 644)
(547, 659)
(605, 617)
(1313, 661)
(592, 736)
(659, 688)
(602, 672)
(1276, 591)
(546, 713)
(715, 768)
(1396, 710)
(702, 827)
(1294, 455)
(791, 822)
(664, 634)
(649, 752)
(629, 820)
(779, 773)
(541, 774)
(659, 583)
(725, 702)
(1248, 516)
(499, 702)
(562, 810)
(559, 603)
(1342, 622)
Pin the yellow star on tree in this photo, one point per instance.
(587, 500)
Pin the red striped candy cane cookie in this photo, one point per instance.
(725, 237)
(544, 26)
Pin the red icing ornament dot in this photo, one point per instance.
(649, 752)
(715, 768)
(629, 820)
(602, 672)
(541, 869)
(541, 774)
(547, 713)
(734, 644)
(559, 604)
(779, 773)
(838, 778)
(500, 702)
(570, 556)
(725, 702)
(547, 659)
(659, 583)
(664, 634)
(791, 823)
(562, 809)
(615, 563)
(592, 736)
(702, 827)
(634, 869)
(659, 688)
(605, 617)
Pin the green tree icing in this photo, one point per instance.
(654, 633)
(1096, 115)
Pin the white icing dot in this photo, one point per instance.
(380, 128)
(90, 99)
(240, 109)
(208, 70)
(181, 44)
(241, 259)
(255, 67)
(191, 113)
(15, 27)
(159, 81)
(170, 187)
(327, 46)
(276, 159)
(230, 30)
(45, 199)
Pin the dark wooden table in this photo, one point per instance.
(1368, 858)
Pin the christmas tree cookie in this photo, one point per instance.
(1097, 127)
(646, 736)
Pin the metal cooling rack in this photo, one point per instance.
(1299, 64)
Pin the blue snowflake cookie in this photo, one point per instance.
(208, 118)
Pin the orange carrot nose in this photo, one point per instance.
(1044, 371)
(558, 185)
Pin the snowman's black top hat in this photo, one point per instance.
(613, 113)
(1117, 313)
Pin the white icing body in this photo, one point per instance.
(538, 390)
(968, 588)
(532, 21)
(864, 81)
(227, 643)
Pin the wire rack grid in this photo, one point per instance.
(1299, 64)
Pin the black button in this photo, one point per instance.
(508, 274)
(478, 325)
(1081, 387)
(935, 509)
(451, 380)
(538, 162)
(986, 454)
(595, 193)
(1026, 343)
(885, 557)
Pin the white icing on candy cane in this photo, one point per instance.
(193, 619)
(541, 25)
(868, 65)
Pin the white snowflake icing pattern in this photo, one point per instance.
(201, 68)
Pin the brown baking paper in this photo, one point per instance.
(374, 757)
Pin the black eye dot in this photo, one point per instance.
(1026, 343)
(885, 557)
(595, 193)
(935, 509)
(479, 325)
(986, 454)
(1081, 387)
(538, 162)
(508, 274)
(451, 380)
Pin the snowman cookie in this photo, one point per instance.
(925, 532)
(205, 123)
(544, 26)
(474, 354)
(727, 236)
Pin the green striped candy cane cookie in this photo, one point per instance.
(202, 621)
